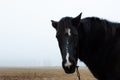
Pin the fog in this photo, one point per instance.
(27, 38)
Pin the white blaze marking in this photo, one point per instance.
(68, 31)
(68, 63)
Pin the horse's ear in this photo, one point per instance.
(54, 23)
(76, 20)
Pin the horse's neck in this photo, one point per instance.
(95, 38)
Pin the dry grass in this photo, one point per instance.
(42, 74)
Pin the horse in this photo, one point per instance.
(94, 41)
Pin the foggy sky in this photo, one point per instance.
(26, 35)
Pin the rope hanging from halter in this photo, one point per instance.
(77, 71)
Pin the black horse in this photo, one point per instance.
(94, 41)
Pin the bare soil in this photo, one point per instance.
(42, 74)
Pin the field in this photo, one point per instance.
(42, 74)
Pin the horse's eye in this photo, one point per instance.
(57, 35)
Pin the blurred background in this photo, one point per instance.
(27, 38)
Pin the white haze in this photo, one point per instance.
(27, 38)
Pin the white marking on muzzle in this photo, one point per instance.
(68, 63)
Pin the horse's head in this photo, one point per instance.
(67, 36)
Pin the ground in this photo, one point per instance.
(42, 74)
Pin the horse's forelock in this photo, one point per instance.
(64, 24)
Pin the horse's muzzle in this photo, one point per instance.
(69, 69)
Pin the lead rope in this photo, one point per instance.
(77, 71)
